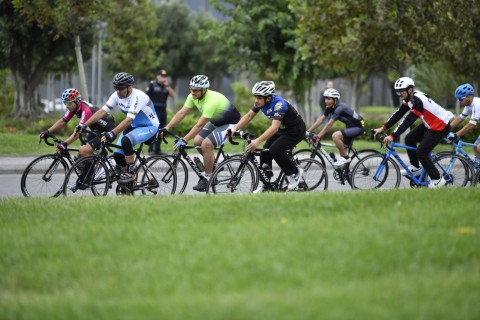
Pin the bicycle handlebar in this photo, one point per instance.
(52, 137)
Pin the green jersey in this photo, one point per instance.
(215, 107)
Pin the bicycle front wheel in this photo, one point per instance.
(158, 176)
(89, 175)
(233, 175)
(455, 170)
(372, 172)
(44, 176)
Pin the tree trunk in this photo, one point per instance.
(25, 105)
(81, 69)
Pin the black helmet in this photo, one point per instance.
(123, 79)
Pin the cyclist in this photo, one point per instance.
(140, 124)
(339, 111)
(218, 115)
(287, 129)
(82, 109)
(464, 93)
(428, 134)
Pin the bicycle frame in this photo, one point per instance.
(418, 180)
(458, 149)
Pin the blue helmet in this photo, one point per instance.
(463, 91)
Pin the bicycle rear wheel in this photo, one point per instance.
(456, 170)
(89, 175)
(314, 176)
(356, 155)
(158, 177)
(233, 175)
(365, 176)
(44, 176)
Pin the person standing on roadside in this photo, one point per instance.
(159, 90)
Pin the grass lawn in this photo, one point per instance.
(398, 254)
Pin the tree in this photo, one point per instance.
(259, 37)
(27, 50)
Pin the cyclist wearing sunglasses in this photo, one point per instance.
(464, 93)
(434, 127)
(82, 109)
(140, 124)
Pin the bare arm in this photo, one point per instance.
(326, 128)
(455, 122)
(317, 123)
(465, 129)
(267, 134)
(177, 118)
(196, 128)
(95, 117)
(244, 121)
(57, 126)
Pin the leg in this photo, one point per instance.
(337, 138)
(430, 140)
(411, 140)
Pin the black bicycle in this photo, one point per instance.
(317, 151)
(44, 176)
(239, 174)
(180, 166)
(99, 174)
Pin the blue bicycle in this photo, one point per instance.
(382, 171)
(458, 149)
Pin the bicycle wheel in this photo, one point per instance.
(455, 169)
(181, 170)
(356, 155)
(44, 176)
(371, 172)
(89, 175)
(307, 153)
(314, 176)
(157, 176)
(233, 175)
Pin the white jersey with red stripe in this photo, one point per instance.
(433, 115)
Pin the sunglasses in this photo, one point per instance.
(118, 88)
(68, 103)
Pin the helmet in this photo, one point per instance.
(199, 82)
(464, 90)
(70, 94)
(263, 88)
(123, 79)
(331, 93)
(403, 83)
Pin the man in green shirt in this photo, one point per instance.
(218, 115)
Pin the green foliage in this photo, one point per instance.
(396, 254)
(131, 43)
(243, 97)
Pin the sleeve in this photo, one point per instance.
(397, 115)
(416, 111)
(189, 103)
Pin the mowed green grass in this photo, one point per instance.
(399, 254)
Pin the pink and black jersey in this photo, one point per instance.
(85, 111)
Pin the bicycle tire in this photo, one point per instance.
(474, 170)
(44, 176)
(158, 177)
(307, 153)
(85, 177)
(455, 169)
(181, 171)
(356, 155)
(363, 172)
(233, 175)
(314, 176)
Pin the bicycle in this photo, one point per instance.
(98, 174)
(44, 176)
(458, 149)
(382, 171)
(239, 174)
(340, 174)
(181, 168)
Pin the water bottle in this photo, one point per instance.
(199, 164)
(332, 155)
(267, 170)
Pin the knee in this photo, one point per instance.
(337, 135)
(85, 150)
(127, 146)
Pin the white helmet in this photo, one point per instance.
(403, 83)
(199, 82)
(331, 93)
(263, 88)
